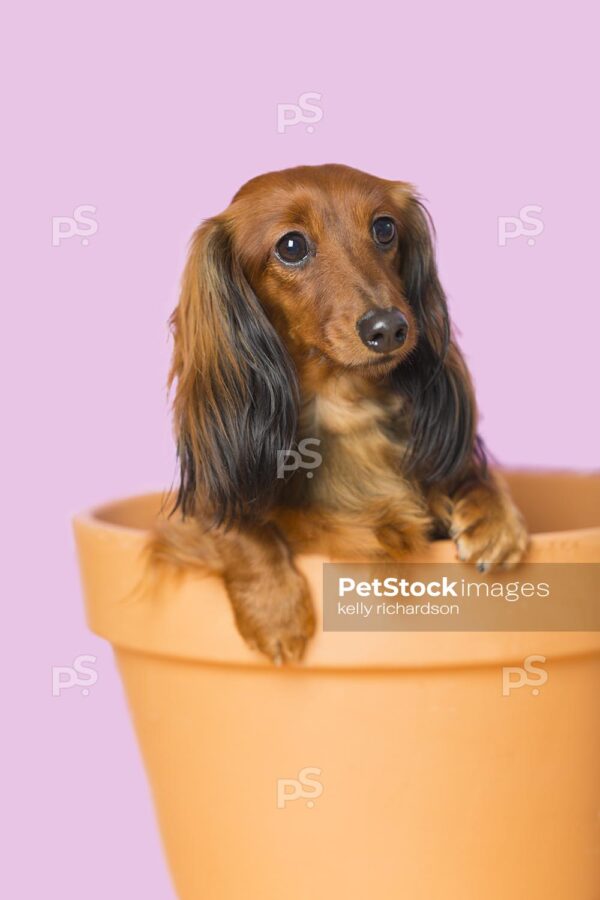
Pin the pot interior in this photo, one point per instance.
(550, 501)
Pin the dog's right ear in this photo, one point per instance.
(236, 397)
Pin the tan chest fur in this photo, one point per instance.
(358, 492)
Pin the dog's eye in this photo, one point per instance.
(292, 248)
(384, 230)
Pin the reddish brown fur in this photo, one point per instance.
(266, 354)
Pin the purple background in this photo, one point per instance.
(155, 117)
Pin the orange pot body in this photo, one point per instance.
(388, 765)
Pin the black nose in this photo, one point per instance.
(383, 330)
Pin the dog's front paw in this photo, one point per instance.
(488, 530)
(275, 615)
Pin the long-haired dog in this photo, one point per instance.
(311, 310)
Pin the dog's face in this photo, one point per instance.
(321, 248)
(324, 267)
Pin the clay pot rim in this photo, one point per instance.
(177, 626)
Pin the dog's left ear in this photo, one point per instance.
(435, 380)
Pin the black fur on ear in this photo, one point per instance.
(236, 398)
(435, 380)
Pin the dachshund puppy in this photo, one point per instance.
(311, 310)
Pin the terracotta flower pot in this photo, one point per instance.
(389, 764)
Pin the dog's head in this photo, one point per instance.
(321, 247)
(321, 263)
